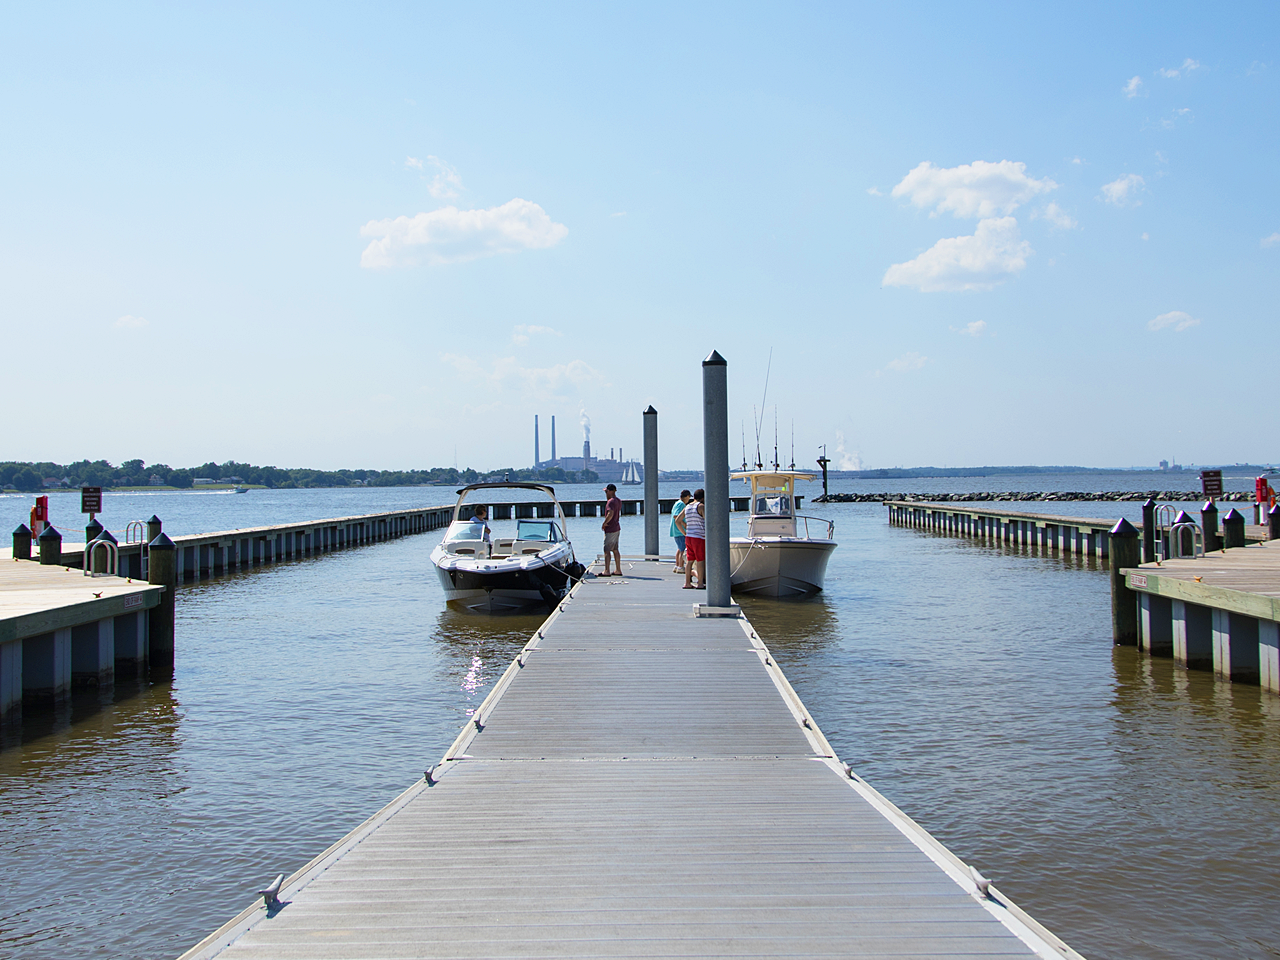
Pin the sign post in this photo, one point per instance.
(91, 501)
(1211, 483)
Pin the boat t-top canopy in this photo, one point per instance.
(771, 479)
(509, 484)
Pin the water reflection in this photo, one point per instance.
(480, 647)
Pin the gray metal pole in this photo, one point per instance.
(651, 483)
(715, 460)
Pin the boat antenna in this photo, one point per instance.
(756, 421)
(744, 444)
(776, 465)
(793, 444)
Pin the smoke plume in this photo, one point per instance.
(844, 459)
(586, 424)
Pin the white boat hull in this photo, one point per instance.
(778, 566)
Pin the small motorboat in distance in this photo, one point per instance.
(778, 558)
(505, 573)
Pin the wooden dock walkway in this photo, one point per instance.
(638, 783)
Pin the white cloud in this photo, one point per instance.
(994, 253)
(1175, 318)
(523, 331)
(1056, 216)
(620, 213)
(1171, 73)
(874, 191)
(445, 184)
(450, 235)
(1077, 161)
(1188, 65)
(1270, 241)
(1121, 190)
(413, 163)
(978, 189)
(1146, 236)
(507, 373)
(907, 362)
(1166, 72)
(975, 329)
(1133, 87)
(128, 322)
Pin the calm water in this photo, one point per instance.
(1131, 806)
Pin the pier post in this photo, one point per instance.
(162, 570)
(1273, 523)
(92, 531)
(1149, 531)
(1126, 551)
(50, 546)
(1209, 525)
(651, 510)
(715, 455)
(22, 543)
(1232, 529)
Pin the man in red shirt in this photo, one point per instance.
(612, 526)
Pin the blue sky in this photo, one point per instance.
(334, 236)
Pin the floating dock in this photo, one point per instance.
(638, 783)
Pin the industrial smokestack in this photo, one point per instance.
(536, 456)
(553, 438)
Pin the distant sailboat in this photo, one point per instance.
(631, 474)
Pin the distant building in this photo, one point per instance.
(204, 482)
(52, 482)
(155, 481)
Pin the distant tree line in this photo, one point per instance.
(32, 477)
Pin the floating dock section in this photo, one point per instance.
(638, 783)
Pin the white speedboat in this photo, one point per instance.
(779, 556)
(534, 564)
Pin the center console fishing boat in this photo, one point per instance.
(488, 572)
(779, 556)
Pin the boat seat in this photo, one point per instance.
(469, 548)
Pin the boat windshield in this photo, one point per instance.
(772, 506)
(538, 530)
(465, 530)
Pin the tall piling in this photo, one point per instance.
(162, 570)
(1149, 531)
(1273, 523)
(1126, 551)
(651, 508)
(715, 458)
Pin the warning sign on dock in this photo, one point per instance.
(1211, 482)
(90, 499)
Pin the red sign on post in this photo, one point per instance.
(90, 499)
(1211, 482)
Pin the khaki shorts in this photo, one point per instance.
(611, 541)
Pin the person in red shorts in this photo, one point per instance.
(695, 542)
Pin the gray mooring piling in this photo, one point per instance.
(50, 546)
(1233, 529)
(1209, 525)
(715, 455)
(1149, 531)
(1273, 523)
(162, 570)
(651, 508)
(22, 543)
(1126, 551)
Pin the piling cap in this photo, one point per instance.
(1233, 515)
(1274, 510)
(1124, 529)
(1209, 506)
(1149, 503)
(651, 412)
(1183, 517)
(107, 535)
(50, 533)
(95, 526)
(22, 531)
(161, 542)
(715, 360)
(154, 519)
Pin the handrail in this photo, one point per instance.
(113, 558)
(1175, 540)
(139, 527)
(831, 526)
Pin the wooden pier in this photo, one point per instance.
(1220, 611)
(1083, 536)
(638, 783)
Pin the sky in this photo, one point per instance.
(387, 236)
